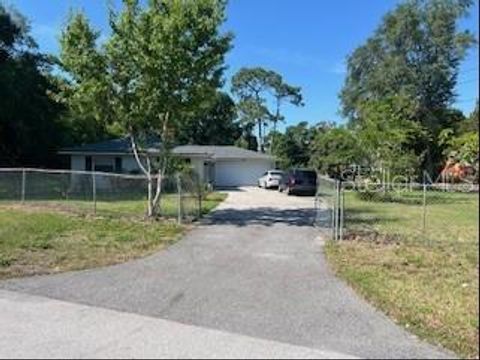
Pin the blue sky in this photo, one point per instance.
(306, 41)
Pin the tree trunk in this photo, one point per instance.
(147, 172)
(260, 139)
(272, 148)
(156, 202)
(154, 195)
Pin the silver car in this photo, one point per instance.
(270, 179)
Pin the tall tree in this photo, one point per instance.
(282, 92)
(163, 61)
(415, 53)
(86, 92)
(213, 122)
(388, 138)
(251, 86)
(30, 127)
(247, 140)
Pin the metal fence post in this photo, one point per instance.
(179, 193)
(333, 210)
(94, 193)
(342, 210)
(424, 215)
(24, 180)
(336, 207)
(199, 200)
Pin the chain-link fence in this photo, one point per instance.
(328, 208)
(442, 214)
(430, 214)
(102, 194)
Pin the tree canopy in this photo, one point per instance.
(30, 128)
(253, 86)
(415, 54)
(86, 91)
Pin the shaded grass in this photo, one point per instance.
(43, 238)
(211, 201)
(429, 282)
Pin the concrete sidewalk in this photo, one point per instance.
(41, 328)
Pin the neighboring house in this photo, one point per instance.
(218, 165)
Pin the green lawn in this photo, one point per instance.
(131, 206)
(48, 237)
(426, 281)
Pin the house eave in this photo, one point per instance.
(98, 153)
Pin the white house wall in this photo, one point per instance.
(231, 172)
(77, 162)
(240, 172)
(198, 167)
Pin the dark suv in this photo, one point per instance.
(299, 182)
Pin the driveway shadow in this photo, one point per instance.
(266, 216)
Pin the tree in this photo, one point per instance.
(252, 85)
(247, 140)
(253, 113)
(471, 123)
(461, 143)
(163, 61)
(293, 147)
(30, 127)
(282, 92)
(335, 150)
(415, 53)
(212, 123)
(388, 139)
(86, 92)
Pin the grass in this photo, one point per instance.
(426, 281)
(132, 206)
(450, 217)
(45, 237)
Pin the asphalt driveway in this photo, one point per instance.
(255, 267)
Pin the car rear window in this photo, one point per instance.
(306, 174)
(279, 173)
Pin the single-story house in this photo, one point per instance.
(217, 165)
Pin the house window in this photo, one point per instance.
(88, 163)
(118, 165)
(104, 164)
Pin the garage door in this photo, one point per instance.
(240, 172)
